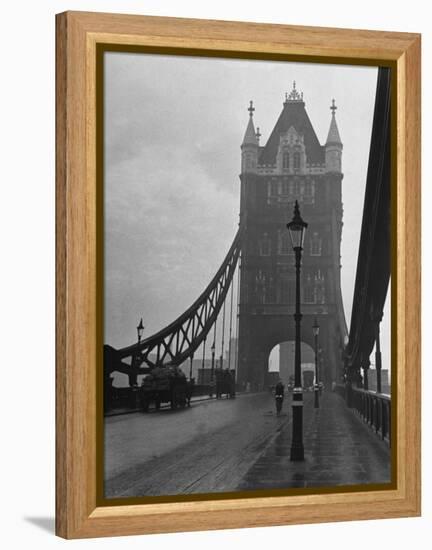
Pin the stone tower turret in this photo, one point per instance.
(250, 145)
(333, 146)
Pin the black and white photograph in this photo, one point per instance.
(247, 244)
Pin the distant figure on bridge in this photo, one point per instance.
(225, 383)
(279, 396)
(189, 391)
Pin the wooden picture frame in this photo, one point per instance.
(77, 300)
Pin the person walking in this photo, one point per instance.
(279, 396)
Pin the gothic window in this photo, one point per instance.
(274, 188)
(269, 294)
(287, 290)
(285, 188)
(320, 294)
(260, 281)
(249, 161)
(296, 188)
(296, 161)
(284, 243)
(265, 245)
(315, 245)
(309, 296)
(320, 287)
(285, 161)
(308, 192)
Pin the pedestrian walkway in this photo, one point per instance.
(340, 449)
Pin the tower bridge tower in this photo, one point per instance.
(292, 165)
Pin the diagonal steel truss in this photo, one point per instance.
(180, 339)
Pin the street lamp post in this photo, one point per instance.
(297, 228)
(137, 355)
(316, 329)
(140, 330)
(213, 347)
(136, 361)
(320, 366)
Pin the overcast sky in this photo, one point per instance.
(173, 129)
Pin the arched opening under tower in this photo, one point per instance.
(281, 362)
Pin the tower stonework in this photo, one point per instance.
(291, 166)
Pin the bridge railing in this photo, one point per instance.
(375, 409)
(340, 390)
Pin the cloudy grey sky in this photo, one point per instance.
(173, 129)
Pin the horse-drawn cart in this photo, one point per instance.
(165, 385)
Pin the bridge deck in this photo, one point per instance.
(339, 450)
(239, 444)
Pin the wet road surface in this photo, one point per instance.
(207, 448)
(240, 444)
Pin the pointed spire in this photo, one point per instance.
(333, 134)
(250, 137)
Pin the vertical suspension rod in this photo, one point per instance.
(213, 353)
(203, 356)
(238, 316)
(230, 325)
(223, 335)
(190, 368)
(214, 333)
